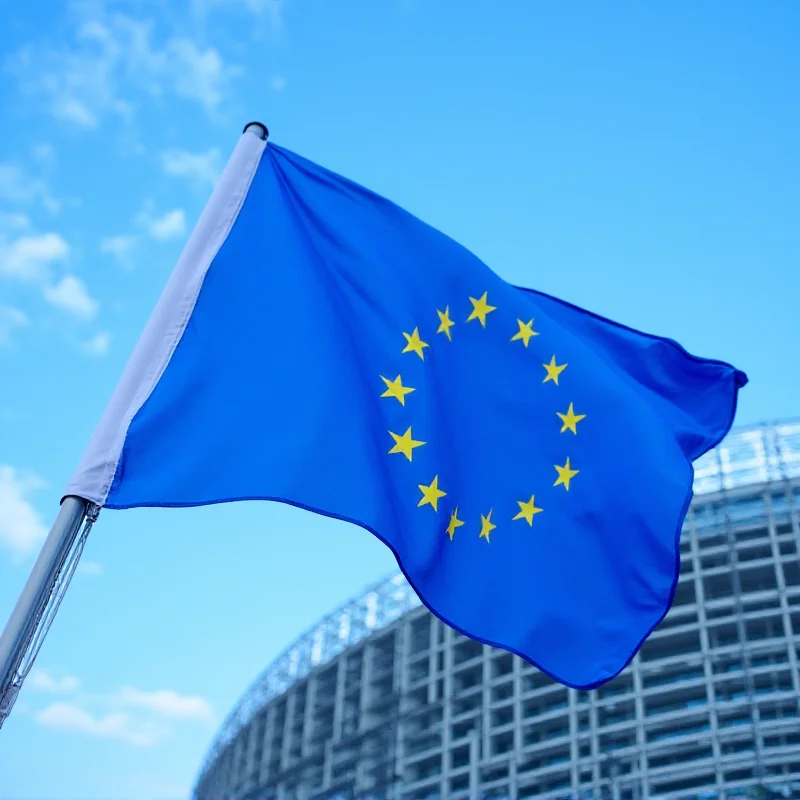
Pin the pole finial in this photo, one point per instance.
(258, 128)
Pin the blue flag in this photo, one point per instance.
(528, 463)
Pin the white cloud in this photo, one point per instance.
(15, 221)
(167, 703)
(73, 719)
(111, 63)
(44, 681)
(10, 319)
(70, 294)
(199, 75)
(129, 714)
(199, 167)
(121, 248)
(44, 153)
(90, 568)
(272, 9)
(28, 258)
(76, 83)
(98, 345)
(71, 110)
(169, 225)
(17, 186)
(278, 83)
(21, 527)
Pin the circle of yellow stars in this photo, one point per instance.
(405, 443)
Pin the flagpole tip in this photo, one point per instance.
(258, 128)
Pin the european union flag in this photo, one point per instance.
(528, 463)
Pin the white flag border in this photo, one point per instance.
(95, 473)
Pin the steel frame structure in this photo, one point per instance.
(760, 454)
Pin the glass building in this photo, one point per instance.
(382, 700)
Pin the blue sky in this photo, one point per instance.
(638, 160)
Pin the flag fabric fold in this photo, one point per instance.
(528, 462)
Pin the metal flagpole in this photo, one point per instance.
(40, 598)
(50, 576)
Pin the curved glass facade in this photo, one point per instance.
(382, 700)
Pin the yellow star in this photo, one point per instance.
(414, 344)
(455, 522)
(404, 444)
(431, 494)
(525, 332)
(396, 389)
(553, 371)
(445, 322)
(570, 420)
(565, 475)
(480, 308)
(527, 511)
(486, 526)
